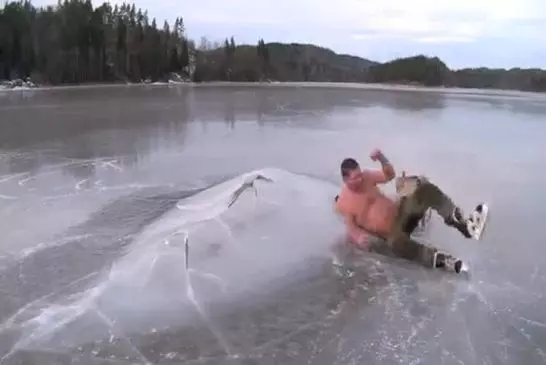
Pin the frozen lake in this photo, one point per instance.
(100, 187)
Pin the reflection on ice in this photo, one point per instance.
(239, 237)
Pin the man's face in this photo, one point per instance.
(353, 179)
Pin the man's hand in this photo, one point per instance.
(357, 235)
(362, 240)
(376, 154)
(359, 238)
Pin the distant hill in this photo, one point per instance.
(531, 79)
(411, 70)
(431, 71)
(323, 63)
(280, 62)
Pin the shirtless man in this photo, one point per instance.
(368, 212)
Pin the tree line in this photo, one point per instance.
(73, 42)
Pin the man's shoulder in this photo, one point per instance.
(369, 176)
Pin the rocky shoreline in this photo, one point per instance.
(18, 84)
(26, 84)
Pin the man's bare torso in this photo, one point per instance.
(373, 211)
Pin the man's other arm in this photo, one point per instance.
(356, 234)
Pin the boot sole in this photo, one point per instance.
(478, 223)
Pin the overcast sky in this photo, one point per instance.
(493, 33)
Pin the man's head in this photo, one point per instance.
(351, 173)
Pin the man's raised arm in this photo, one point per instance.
(386, 173)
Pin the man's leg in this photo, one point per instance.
(419, 195)
(428, 256)
(403, 246)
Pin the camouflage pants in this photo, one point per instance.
(417, 197)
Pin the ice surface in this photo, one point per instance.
(242, 271)
(103, 277)
(211, 247)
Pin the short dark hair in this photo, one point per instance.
(347, 165)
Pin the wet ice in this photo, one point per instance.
(110, 221)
